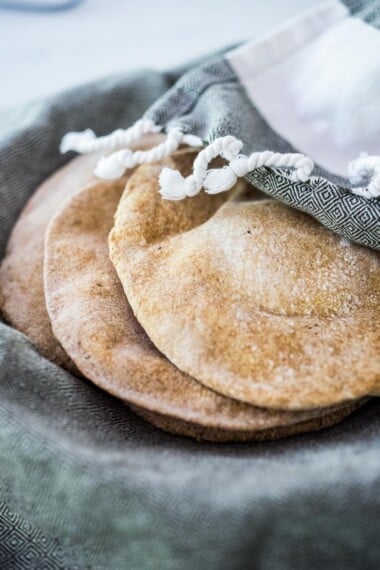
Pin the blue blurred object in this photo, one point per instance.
(32, 6)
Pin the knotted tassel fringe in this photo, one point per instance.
(86, 141)
(363, 170)
(173, 186)
(113, 166)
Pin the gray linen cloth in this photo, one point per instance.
(84, 483)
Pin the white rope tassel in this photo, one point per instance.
(175, 187)
(86, 141)
(113, 166)
(363, 169)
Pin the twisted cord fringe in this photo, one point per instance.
(173, 186)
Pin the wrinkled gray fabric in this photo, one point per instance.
(84, 483)
(108, 491)
(209, 101)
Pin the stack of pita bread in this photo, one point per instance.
(222, 317)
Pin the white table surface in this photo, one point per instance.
(43, 53)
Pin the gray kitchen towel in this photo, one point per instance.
(84, 483)
(214, 106)
(283, 94)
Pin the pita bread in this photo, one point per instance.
(200, 433)
(22, 299)
(95, 324)
(255, 300)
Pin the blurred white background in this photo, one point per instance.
(41, 53)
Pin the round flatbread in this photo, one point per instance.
(253, 299)
(92, 319)
(201, 433)
(22, 299)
